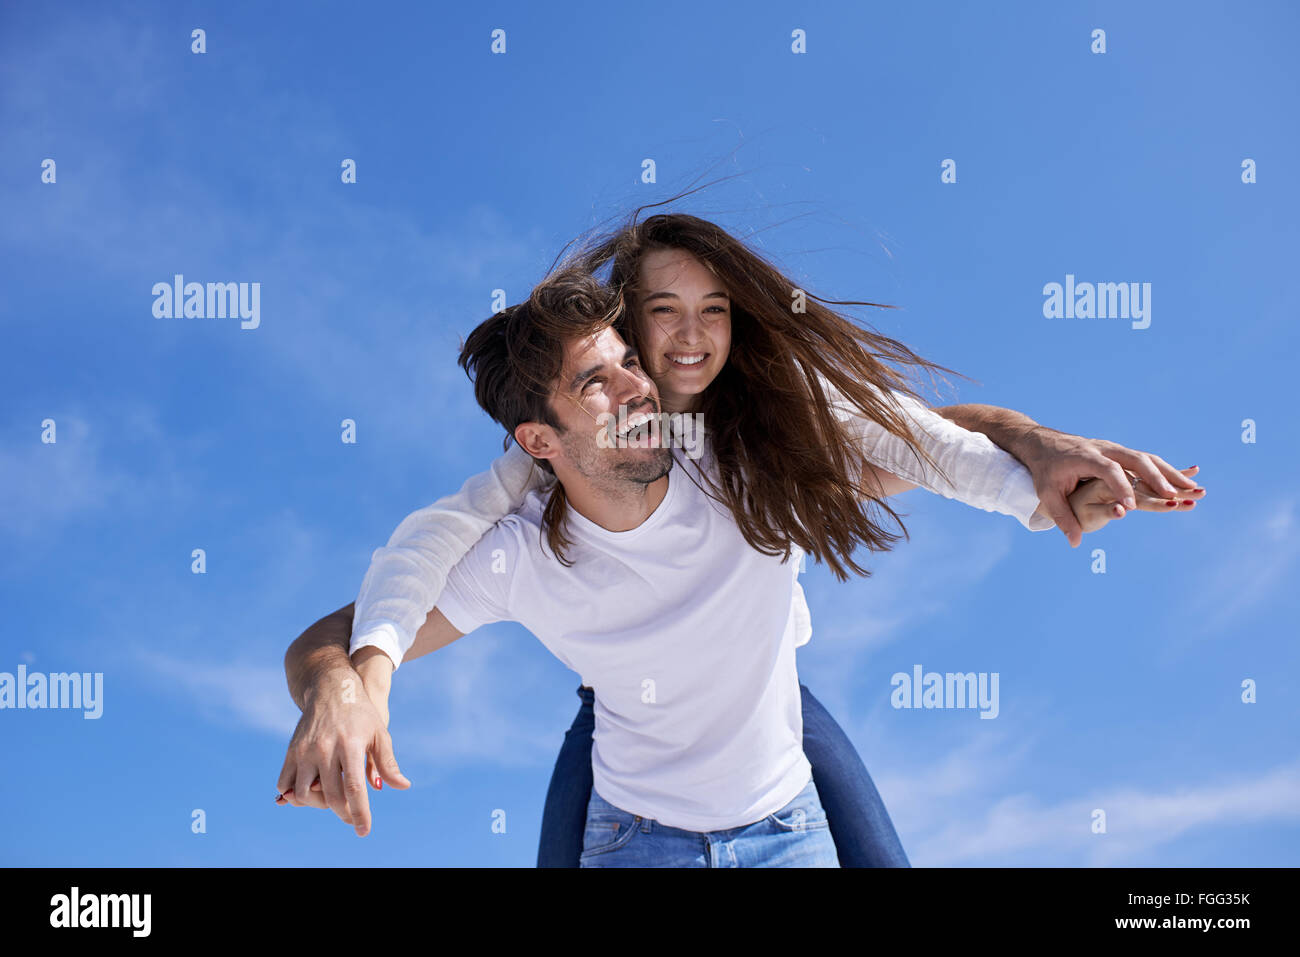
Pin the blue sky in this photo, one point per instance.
(1119, 691)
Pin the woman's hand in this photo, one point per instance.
(1058, 461)
(1151, 501)
(1094, 503)
(376, 672)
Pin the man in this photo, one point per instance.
(686, 632)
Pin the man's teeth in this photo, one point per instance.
(688, 360)
(637, 420)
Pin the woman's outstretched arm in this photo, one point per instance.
(982, 475)
(406, 577)
(1059, 461)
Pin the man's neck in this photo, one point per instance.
(619, 508)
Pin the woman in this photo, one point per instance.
(790, 393)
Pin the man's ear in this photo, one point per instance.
(537, 439)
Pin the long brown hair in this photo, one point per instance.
(788, 469)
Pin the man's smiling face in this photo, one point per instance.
(602, 373)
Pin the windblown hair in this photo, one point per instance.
(788, 468)
(515, 358)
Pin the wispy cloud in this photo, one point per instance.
(477, 702)
(243, 693)
(117, 456)
(1251, 562)
(362, 304)
(42, 484)
(482, 702)
(947, 556)
(1021, 829)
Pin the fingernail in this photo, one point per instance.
(1171, 503)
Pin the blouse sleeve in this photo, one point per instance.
(406, 577)
(982, 474)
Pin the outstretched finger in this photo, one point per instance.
(1183, 500)
(354, 791)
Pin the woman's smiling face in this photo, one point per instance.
(683, 316)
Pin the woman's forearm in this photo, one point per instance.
(406, 578)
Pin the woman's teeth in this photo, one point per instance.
(690, 359)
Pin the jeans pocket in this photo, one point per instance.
(803, 813)
(608, 827)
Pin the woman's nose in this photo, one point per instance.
(689, 330)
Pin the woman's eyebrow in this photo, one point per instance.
(672, 295)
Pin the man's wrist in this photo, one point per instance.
(326, 680)
(1029, 443)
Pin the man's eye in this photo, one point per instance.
(591, 382)
(633, 363)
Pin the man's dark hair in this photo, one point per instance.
(515, 359)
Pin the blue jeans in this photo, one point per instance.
(795, 836)
(863, 834)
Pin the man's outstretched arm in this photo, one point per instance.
(339, 727)
(343, 733)
(1058, 461)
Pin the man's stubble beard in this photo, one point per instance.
(626, 469)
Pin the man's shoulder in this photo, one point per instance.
(515, 530)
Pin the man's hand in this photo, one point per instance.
(1058, 461)
(335, 738)
(1094, 504)
(341, 729)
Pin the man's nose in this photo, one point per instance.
(634, 384)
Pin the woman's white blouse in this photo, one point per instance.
(406, 577)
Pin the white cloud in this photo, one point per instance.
(252, 694)
(1019, 829)
(43, 485)
(476, 702)
(948, 555)
(1252, 560)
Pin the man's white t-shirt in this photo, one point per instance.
(685, 633)
(406, 578)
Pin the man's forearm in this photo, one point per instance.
(1006, 428)
(319, 651)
